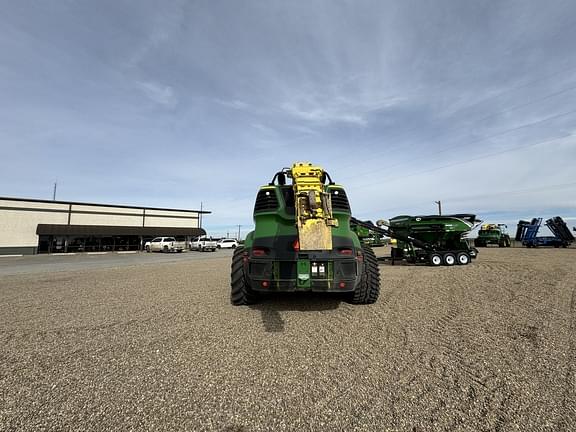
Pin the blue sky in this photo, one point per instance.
(173, 103)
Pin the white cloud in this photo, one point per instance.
(161, 94)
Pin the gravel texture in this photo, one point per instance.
(485, 347)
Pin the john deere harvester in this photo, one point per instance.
(302, 241)
(493, 234)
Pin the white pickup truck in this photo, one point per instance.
(165, 244)
(203, 244)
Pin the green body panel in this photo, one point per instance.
(303, 272)
(281, 222)
(276, 230)
(492, 236)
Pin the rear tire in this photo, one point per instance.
(148, 249)
(369, 288)
(449, 259)
(241, 293)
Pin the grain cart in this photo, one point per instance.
(302, 241)
(493, 234)
(434, 240)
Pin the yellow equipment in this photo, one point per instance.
(313, 207)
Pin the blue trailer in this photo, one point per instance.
(527, 233)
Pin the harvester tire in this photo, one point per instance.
(241, 293)
(435, 259)
(449, 259)
(463, 258)
(369, 287)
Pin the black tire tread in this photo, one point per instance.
(369, 288)
(241, 293)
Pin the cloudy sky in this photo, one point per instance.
(173, 103)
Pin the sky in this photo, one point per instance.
(176, 103)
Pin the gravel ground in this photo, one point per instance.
(486, 347)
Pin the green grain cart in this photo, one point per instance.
(435, 240)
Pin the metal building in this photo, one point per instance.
(30, 226)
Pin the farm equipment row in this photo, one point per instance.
(305, 239)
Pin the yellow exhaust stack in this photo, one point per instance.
(313, 207)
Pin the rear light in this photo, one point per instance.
(258, 252)
(265, 284)
(342, 284)
(346, 252)
(296, 245)
(359, 255)
(245, 257)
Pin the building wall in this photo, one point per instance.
(19, 220)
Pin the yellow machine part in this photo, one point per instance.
(488, 227)
(313, 207)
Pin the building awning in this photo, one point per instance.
(105, 230)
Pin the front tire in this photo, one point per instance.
(241, 293)
(369, 288)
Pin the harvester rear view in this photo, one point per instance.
(302, 241)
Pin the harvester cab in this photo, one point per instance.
(302, 241)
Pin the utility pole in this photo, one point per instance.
(439, 207)
(238, 232)
(200, 216)
(54, 191)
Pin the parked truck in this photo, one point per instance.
(203, 244)
(165, 244)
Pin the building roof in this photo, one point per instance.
(102, 205)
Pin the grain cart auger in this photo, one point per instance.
(302, 241)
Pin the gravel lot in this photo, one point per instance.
(157, 346)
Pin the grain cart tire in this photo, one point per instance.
(449, 259)
(463, 258)
(241, 293)
(369, 287)
(435, 259)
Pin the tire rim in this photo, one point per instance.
(463, 259)
(450, 260)
(436, 260)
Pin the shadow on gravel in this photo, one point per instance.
(271, 306)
